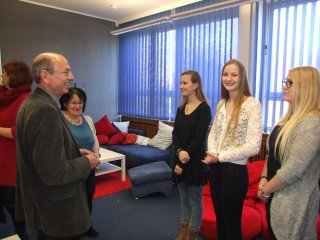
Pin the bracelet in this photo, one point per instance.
(263, 177)
(262, 193)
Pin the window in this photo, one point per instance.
(152, 60)
(289, 36)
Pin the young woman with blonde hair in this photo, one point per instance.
(234, 137)
(289, 181)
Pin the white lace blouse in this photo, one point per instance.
(247, 140)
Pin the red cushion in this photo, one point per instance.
(260, 207)
(206, 190)
(104, 126)
(208, 226)
(249, 202)
(252, 191)
(130, 138)
(102, 139)
(117, 138)
(254, 172)
(250, 221)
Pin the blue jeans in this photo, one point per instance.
(191, 204)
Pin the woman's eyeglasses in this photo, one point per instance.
(76, 103)
(287, 82)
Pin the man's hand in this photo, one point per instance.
(85, 151)
(94, 160)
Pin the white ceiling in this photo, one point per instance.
(119, 11)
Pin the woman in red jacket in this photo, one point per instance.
(16, 86)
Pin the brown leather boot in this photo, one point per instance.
(183, 231)
(192, 234)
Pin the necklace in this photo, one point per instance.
(77, 123)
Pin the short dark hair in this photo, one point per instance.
(65, 98)
(18, 73)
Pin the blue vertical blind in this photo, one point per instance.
(152, 60)
(288, 37)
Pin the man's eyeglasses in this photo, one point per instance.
(66, 72)
(287, 82)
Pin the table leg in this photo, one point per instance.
(123, 169)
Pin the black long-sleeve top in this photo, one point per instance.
(190, 134)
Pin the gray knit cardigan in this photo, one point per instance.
(294, 209)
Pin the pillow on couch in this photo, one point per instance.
(122, 126)
(104, 126)
(130, 138)
(163, 139)
(142, 140)
(117, 138)
(115, 127)
(103, 139)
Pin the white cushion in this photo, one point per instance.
(142, 140)
(163, 139)
(123, 126)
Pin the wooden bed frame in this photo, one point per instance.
(150, 126)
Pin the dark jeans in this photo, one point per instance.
(228, 186)
(42, 236)
(90, 188)
(7, 200)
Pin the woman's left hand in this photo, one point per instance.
(178, 170)
(262, 195)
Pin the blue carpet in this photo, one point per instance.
(121, 217)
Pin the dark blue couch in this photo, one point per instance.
(137, 155)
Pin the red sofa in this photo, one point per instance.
(253, 220)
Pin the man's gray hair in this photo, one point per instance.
(44, 61)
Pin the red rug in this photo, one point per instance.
(110, 183)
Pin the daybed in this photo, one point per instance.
(138, 154)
